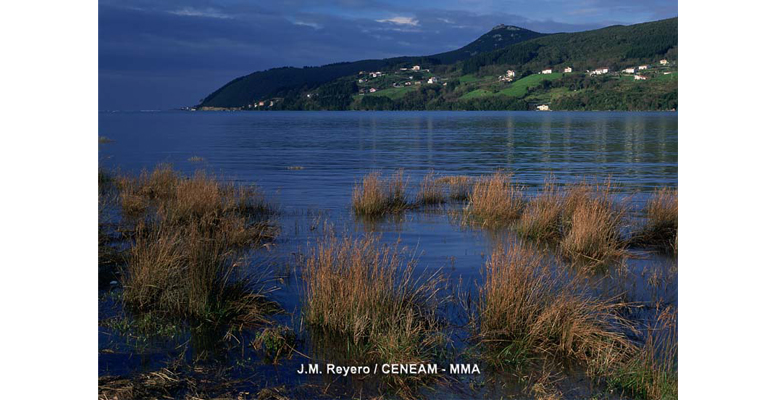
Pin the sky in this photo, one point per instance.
(156, 55)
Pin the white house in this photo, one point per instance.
(271, 103)
(600, 71)
(567, 70)
(629, 70)
(667, 73)
(543, 107)
(375, 74)
(372, 90)
(547, 71)
(664, 62)
(510, 73)
(261, 103)
(640, 78)
(408, 84)
(416, 68)
(641, 67)
(403, 69)
(433, 79)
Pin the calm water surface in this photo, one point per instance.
(334, 149)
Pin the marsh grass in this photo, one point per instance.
(375, 196)
(366, 291)
(652, 372)
(528, 312)
(458, 186)
(541, 218)
(431, 191)
(188, 241)
(661, 227)
(495, 201)
(593, 224)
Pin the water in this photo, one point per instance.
(308, 162)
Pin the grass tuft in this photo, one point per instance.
(593, 224)
(376, 196)
(189, 240)
(524, 313)
(365, 291)
(541, 218)
(661, 228)
(652, 372)
(495, 201)
(459, 186)
(431, 191)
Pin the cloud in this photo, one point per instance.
(207, 13)
(401, 21)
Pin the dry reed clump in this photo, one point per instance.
(459, 186)
(186, 255)
(661, 228)
(431, 191)
(652, 372)
(525, 313)
(541, 218)
(376, 196)
(363, 290)
(495, 201)
(592, 224)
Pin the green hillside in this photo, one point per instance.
(475, 78)
(277, 82)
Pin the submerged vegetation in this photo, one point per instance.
(367, 292)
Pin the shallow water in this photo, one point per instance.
(331, 150)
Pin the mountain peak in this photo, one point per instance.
(506, 27)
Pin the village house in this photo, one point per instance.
(567, 70)
(547, 71)
(667, 73)
(271, 103)
(432, 79)
(640, 78)
(372, 90)
(641, 67)
(403, 69)
(361, 80)
(261, 103)
(543, 107)
(408, 84)
(510, 73)
(376, 74)
(416, 68)
(600, 71)
(664, 62)
(629, 70)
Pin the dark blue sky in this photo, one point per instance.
(166, 54)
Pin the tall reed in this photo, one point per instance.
(542, 215)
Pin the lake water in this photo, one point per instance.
(330, 151)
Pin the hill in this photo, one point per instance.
(474, 77)
(277, 81)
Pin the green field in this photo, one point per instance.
(477, 93)
(393, 93)
(519, 87)
(468, 78)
